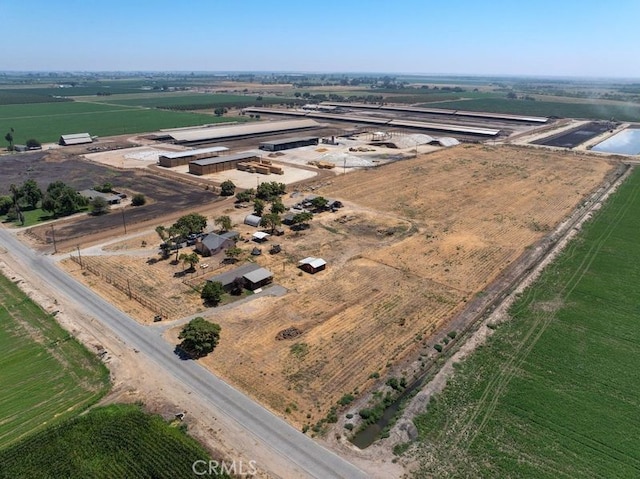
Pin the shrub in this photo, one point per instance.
(401, 448)
(346, 399)
(138, 199)
(348, 426)
(349, 416)
(438, 347)
(452, 334)
(365, 413)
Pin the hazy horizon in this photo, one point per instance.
(570, 39)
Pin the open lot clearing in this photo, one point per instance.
(117, 441)
(47, 376)
(415, 241)
(553, 392)
(400, 264)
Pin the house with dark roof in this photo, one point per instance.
(214, 243)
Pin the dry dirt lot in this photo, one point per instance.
(415, 241)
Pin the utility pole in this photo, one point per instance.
(53, 235)
(79, 257)
(124, 224)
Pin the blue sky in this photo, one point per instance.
(540, 37)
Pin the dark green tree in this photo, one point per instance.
(271, 220)
(138, 199)
(192, 223)
(319, 203)
(258, 206)
(212, 293)
(301, 220)
(32, 143)
(224, 222)
(6, 202)
(9, 138)
(99, 206)
(199, 337)
(31, 193)
(277, 206)
(227, 188)
(245, 196)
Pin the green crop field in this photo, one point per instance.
(555, 391)
(47, 121)
(45, 374)
(198, 101)
(595, 110)
(111, 442)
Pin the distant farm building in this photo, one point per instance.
(110, 198)
(252, 220)
(75, 139)
(214, 243)
(289, 143)
(221, 163)
(169, 160)
(234, 132)
(312, 265)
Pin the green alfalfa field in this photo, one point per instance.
(45, 122)
(46, 375)
(555, 391)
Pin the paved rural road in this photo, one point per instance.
(274, 433)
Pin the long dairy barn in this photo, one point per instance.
(220, 133)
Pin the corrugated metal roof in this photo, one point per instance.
(313, 262)
(242, 130)
(201, 151)
(230, 276)
(442, 127)
(252, 220)
(284, 141)
(222, 159)
(76, 139)
(261, 235)
(258, 275)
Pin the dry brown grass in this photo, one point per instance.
(416, 239)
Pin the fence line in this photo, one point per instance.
(125, 288)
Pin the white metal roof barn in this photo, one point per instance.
(75, 139)
(239, 131)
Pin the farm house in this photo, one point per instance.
(227, 279)
(214, 243)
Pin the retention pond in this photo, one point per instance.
(626, 142)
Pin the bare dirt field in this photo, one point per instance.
(415, 241)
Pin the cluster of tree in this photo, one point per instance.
(105, 187)
(212, 293)
(61, 199)
(219, 111)
(199, 337)
(177, 233)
